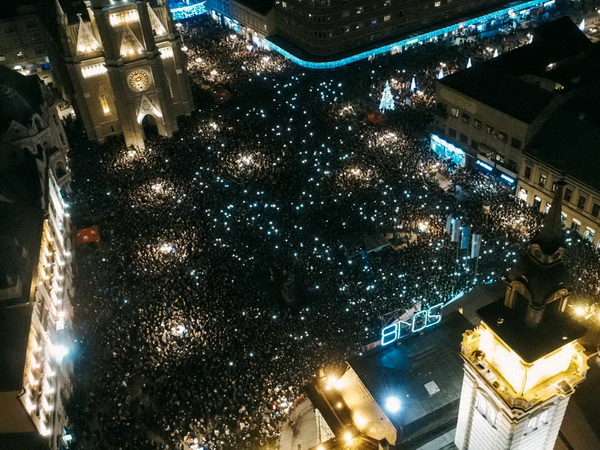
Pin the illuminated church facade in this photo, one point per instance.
(126, 68)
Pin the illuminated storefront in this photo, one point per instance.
(447, 150)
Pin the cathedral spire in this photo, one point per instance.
(550, 237)
(61, 17)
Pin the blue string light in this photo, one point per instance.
(185, 12)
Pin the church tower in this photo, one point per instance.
(523, 362)
(126, 68)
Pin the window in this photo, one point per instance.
(452, 132)
(523, 194)
(477, 124)
(503, 136)
(500, 158)
(554, 186)
(568, 194)
(104, 104)
(515, 143)
(490, 130)
(581, 202)
(20, 55)
(284, 5)
(486, 409)
(465, 118)
(537, 202)
(40, 51)
(437, 4)
(527, 174)
(454, 112)
(464, 139)
(387, 18)
(547, 207)
(589, 234)
(474, 144)
(595, 210)
(512, 165)
(2, 58)
(575, 225)
(374, 22)
(542, 180)
(387, 2)
(563, 219)
(360, 9)
(9, 29)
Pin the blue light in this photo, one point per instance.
(409, 41)
(389, 334)
(485, 166)
(445, 149)
(507, 178)
(185, 12)
(392, 404)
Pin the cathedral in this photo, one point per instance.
(126, 69)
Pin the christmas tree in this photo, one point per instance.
(387, 99)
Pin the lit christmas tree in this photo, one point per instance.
(387, 99)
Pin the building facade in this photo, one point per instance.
(25, 44)
(254, 24)
(514, 116)
(525, 359)
(126, 68)
(35, 307)
(581, 210)
(327, 27)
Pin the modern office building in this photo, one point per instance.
(35, 268)
(509, 115)
(126, 69)
(328, 27)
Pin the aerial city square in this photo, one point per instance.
(322, 224)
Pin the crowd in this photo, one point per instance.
(185, 336)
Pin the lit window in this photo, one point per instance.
(589, 234)
(387, 18)
(360, 9)
(542, 180)
(486, 409)
(454, 112)
(104, 104)
(527, 172)
(523, 194)
(436, 4)
(477, 124)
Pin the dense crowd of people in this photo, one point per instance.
(220, 285)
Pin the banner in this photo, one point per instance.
(466, 236)
(475, 246)
(456, 230)
(449, 224)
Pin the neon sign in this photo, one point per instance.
(420, 321)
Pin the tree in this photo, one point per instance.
(387, 99)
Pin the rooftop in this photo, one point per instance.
(559, 46)
(556, 330)
(424, 371)
(569, 143)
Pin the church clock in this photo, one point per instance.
(138, 80)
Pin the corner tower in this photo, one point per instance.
(523, 362)
(126, 68)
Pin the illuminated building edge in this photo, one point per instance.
(403, 43)
(185, 12)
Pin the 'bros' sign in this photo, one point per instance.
(403, 328)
